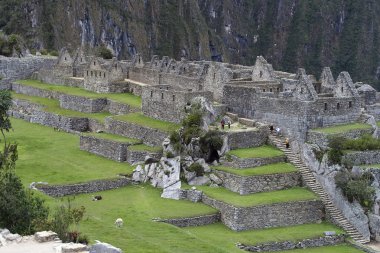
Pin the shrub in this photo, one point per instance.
(211, 140)
(356, 187)
(169, 154)
(104, 52)
(44, 52)
(366, 142)
(197, 168)
(335, 156)
(54, 53)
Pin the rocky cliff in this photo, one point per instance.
(343, 34)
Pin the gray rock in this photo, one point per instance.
(101, 247)
(203, 180)
(73, 248)
(214, 178)
(45, 236)
(374, 225)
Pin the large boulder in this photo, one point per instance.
(101, 247)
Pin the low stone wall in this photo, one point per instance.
(82, 104)
(322, 139)
(87, 187)
(363, 157)
(261, 183)
(193, 221)
(95, 125)
(139, 155)
(254, 162)
(149, 136)
(289, 245)
(113, 150)
(32, 91)
(248, 138)
(120, 108)
(34, 113)
(48, 76)
(266, 216)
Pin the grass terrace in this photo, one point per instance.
(142, 120)
(342, 128)
(52, 105)
(374, 166)
(274, 168)
(264, 151)
(113, 137)
(257, 199)
(54, 157)
(141, 203)
(125, 98)
(143, 147)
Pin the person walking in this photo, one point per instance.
(287, 143)
(222, 124)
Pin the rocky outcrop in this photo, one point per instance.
(101, 247)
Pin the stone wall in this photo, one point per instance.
(289, 245)
(54, 77)
(120, 108)
(32, 91)
(21, 68)
(134, 156)
(363, 157)
(87, 187)
(265, 216)
(263, 183)
(107, 148)
(149, 136)
(34, 113)
(254, 162)
(248, 138)
(193, 221)
(322, 139)
(82, 104)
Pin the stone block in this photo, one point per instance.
(45, 236)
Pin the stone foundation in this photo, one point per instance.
(248, 138)
(139, 155)
(363, 157)
(82, 104)
(261, 183)
(254, 162)
(266, 216)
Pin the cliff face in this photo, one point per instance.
(343, 34)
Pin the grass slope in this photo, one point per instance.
(113, 137)
(125, 98)
(55, 157)
(256, 199)
(274, 168)
(257, 152)
(342, 128)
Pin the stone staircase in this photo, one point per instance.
(316, 187)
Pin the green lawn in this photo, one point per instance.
(54, 157)
(374, 166)
(257, 152)
(126, 98)
(256, 199)
(343, 248)
(274, 168)
(140, 119)
(52, 105)
(137, 205)
(143, 147)
(342, 128)
(113, 137)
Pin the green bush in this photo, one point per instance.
(211, 140)
(44, 52)
(335, 156)
(53, 53)
(366, 142)
(169, 154)
(197, 168)
(104, 52)
(356, 188)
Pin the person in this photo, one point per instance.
(271, 129)
(287, 143)
(222, 123)
(278, 131)
(229, 124)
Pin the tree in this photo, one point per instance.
(20, 211)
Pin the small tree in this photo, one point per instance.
(104, 52)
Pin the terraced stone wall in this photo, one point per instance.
(82, 104)
(87, 187)
(260, 183)
(150, 136)
(52, 77)
(249, 138)
(193, 221)
(21, 68)
(139, 155)
(322, 139)
(32, 91)
(274, 215)
(363, 157)
(253, 162)
(107, 148)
